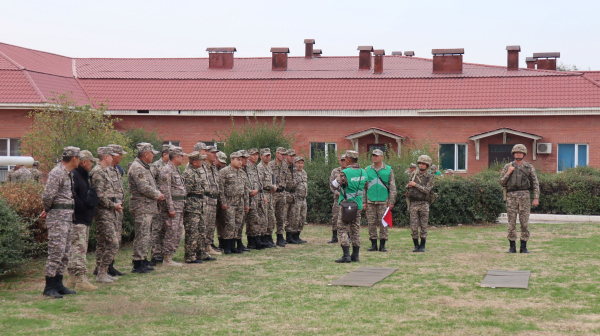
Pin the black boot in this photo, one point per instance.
(346, 257)
(334, 238)
(138, 267)
(218, 249)
(300, 240)
(523, 248)
(268, 240)
(289, 238)
(355, 251)
(241, 247)
(195, 261)
(232, 247)
(224, 243)
(382, 245)
(96, 271)
(50, 289)
(251, 243)
(422, 246)
(146, 264)
(416, 242)
(259, 243)
(60, 288)
(280, 241)
(373, 245)
(156, 260)
(151, 263)
(513, 247)
(112, 271)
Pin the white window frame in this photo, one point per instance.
(170, 142)
(326, 150)
(587, 154)
(456, 155)
(8, 154)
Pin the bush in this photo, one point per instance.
(573, 192)
(14, 239)
(136, 135)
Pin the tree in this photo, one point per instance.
(64, 123)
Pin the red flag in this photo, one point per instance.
(387, 218)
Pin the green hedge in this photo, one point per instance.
(573, 192)
(14, 239)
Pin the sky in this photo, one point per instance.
(178, 28)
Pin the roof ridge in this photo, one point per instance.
(553, 72)
(34, 85)
(591, 80)
(11, 61)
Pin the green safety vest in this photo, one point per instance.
(356, 184)
(377, 191)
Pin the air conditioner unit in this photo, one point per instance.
(544, 148)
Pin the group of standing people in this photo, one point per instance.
(20, 174)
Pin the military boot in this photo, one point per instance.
(50, 289)
(224, 243)
(155, 260)
(170, 262)
(346, 257)
(513, 247)
(373, 245)
(523, 248)
(355, 252)
(382, 245)
(251, 243)
(241, 247)
(267, 240)
(138, 267)
(334, 238)
(96, 271)
(211, 250)
(83, 284)
(416, 242)
(288, 238)
(299, 239)
(60, 288)
(71, 280)
(112, 271)
(102, 276)
(422, 246)
(271, 242)
(233, 248)
(280, 241)
(218, 249)
(195, 261)
(147, 264)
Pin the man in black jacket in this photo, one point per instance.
(85, 203)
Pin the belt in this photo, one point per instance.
(291, 191)
(178, 198)
(513, 190)
(194, 195)
(207, 194)
(63, 206)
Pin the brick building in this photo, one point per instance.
(474, 112)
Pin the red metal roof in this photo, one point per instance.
(38, 61)
(16, 88)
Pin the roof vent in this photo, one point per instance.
(396, 53)
(364, 57)
(530, 62)
(513, 57)
(378, 68)
(546, 60)
(220, 58)
(308, 43)
(448, 60)
(279, 59)
(317, 53)
(409, 53)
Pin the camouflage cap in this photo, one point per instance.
(165, 148)
(87, 155)
(343, 157)
(298, 158)
(433, 167)
(199, 146)
(36, 163)
(243, 153)
(377, 152)
(281, 150)
(352, 154)
(291, 152)
(118, 149)
(265, 151)
(449, 171)
(222, 157)
(212, 149)
(413, 165)
(253, 151)
(106, 151)
(235, 155)
(176, 151)
(71, 151)
(195, 155)
(144, 147)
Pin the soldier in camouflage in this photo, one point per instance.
(158, 232)
(238, 236)
(419, 188)
(280, 170)
(290, 199)
(265, 175)
(36, 173)
(335, 209)
(220, 163)
(410, 169)
(211, 197)
(58, 203)
(142, 204)
(519, 177)
(256, 222)
(20, 175)
(300, 199)
(235, 202)
(117, 175)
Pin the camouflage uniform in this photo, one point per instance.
(157, 231)
(211, 199)
(419, 205)
(279, 197)
(335, 209)
(171, 184)
(193, 220)
(36, 173)
(79, 243)
(300, 199)
(142, 204)
(20, 175)
(290, 187)
(117, 176)
(265, 175)
(375, 210)
(255, 219)
(234, 194)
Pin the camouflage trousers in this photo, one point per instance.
(119, 226)
(234, 219)
(79, 245)
(220, 221)
(157, 236)
(290, 213)
(419, 217)
(349, 233)
(107, 244)
(300, 214)
(141, 241)
(60, 225)
(173, 232)
(195, 236)
(335, 211)
(210, 220)
(270, 220)
(280, 210)
(255, 218)
(518, 202)
(374, 215)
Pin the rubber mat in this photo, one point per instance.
(364, 277)
(506, 279)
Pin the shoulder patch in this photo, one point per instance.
(140, 175)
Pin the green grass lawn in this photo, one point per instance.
(284, 291)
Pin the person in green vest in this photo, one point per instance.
(381, 194)
(351, 182)
(435, 171)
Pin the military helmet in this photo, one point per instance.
(424, 159)
(519, 149)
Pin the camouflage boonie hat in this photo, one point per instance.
(165, 148)
(212, 149)
(145, 146)
(291, 152)
(235, 155)
(253, 151)
(87, 155)
(195, 155)
(71, 151)
(199, 146)
(352, 154)
(117, 149)
(222, 157)
(265, 151)
(106, 151)
(176, 151)
(377, 152)
(281, 150)
(413, 165)
(343, 157)
(298, 158)
(36, 163)
(243, 153)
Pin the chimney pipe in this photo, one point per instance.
(448, 60)
(220, 58)
(396, 53)
(409, 53)
(308, 43)
(279, 59)
(364, 57)
(530, 62)
(513, 57)
(317, 53)
(378, 68)
(547, 60)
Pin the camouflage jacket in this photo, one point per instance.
(37, 175)
(142, 186)
(301, 184)
(504, 177)
(265, 174)
(156, 167)
(59, 189)
(291, 178)
(195, 186)
(281, 172)
(213, 186)
(102, 181)
(392, 192)
(172, 185)
(117, 179)
(234, 190)
(422, 186)
(334, 175)
(20, 175)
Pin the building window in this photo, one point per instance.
(172, 143)
(453, 156)
(8, 147)
(215, 143)
(572, 155)
(322, 148)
